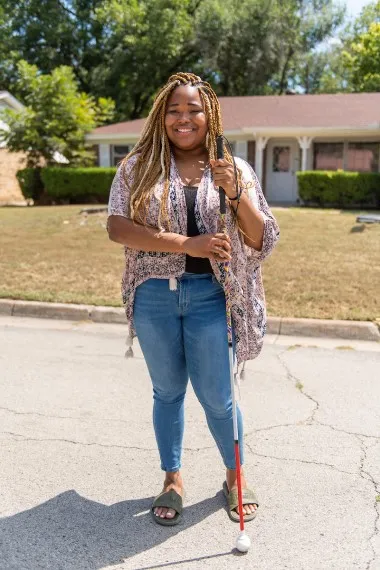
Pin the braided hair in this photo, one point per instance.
(153, 148)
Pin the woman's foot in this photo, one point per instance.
(173, 480)
(232, 484)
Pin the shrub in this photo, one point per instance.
(77, 185)
(342, 189)
(30, 183)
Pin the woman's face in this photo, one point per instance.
(185, 118)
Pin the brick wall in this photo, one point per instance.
(10, 163)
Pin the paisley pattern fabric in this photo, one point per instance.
(245, 281)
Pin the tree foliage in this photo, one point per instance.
(362, 57)
(55, 119)
(352, 63)
(126, 49)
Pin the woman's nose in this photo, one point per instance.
(185, 116)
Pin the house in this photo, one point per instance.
(279, 135)
(10, 163)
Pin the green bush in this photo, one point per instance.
(30, 183)
(342, 189)
(77, 185)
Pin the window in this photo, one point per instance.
(118, 153)
(363, 157)
(281, 159)
(251, 153)
(328, 156)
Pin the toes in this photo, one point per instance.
(163, 513)
(247, 509)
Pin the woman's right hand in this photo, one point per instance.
(213, 246)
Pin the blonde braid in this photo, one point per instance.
(153, 148)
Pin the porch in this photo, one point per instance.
(276, 158)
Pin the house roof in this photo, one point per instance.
(340, 111)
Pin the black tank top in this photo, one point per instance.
(194, 264)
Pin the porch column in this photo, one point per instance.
(261, 143)
(304, 143)
(104, 155)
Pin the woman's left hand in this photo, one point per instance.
(223, 173)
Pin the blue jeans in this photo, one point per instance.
(183, 334)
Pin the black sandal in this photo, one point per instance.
(170, 500)
(249, 497)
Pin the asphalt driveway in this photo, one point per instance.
(79, 465)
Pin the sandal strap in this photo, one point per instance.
(170, 499)
(249, 498)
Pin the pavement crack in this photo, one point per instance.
(22, 437)
(299, 385)
(53, 416)
(348, 432)
(364, 474)
(275, 427)
(300, 461)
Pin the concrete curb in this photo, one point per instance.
(351, 330)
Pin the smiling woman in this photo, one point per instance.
(164, 208)
(185, 119)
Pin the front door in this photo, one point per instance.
(282, 164)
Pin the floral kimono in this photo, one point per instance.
(246, 286)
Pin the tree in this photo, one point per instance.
(145, 43)
(310, 23)
(353, 64)
(49, 34)
(56, 117)
(255, 46)
(126, 49)
(363, 60)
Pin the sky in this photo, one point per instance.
(354, 7)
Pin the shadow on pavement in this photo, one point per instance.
(70, 532)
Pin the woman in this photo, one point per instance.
(163, 208)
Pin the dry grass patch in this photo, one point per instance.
(47, 255)
(321, 267)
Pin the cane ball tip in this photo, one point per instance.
(243, 542)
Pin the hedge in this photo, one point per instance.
(30, 182)
(342, 189)
(92, 185)
(66, 185)
(78, 185)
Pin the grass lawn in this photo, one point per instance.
(325, 265)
